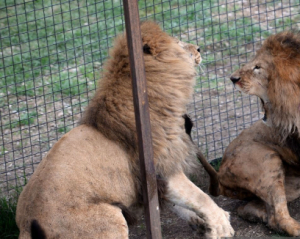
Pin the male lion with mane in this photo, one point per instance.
(263, 163)
(89, 182)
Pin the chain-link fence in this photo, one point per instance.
(52, 51)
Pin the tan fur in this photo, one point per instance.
(91, 173)
(263, 162)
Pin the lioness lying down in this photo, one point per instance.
(89, 180)
(263, 163)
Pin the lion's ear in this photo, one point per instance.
(146, 49)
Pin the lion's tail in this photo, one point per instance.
(214, 187)
(36, 230)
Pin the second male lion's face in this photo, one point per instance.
(274, 76)
(253, 78)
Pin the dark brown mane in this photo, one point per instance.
(282, 51)
(285, 44)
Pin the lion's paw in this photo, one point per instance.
(291, 226)
(197, 224)
(219, 225)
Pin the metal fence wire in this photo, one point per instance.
(52, 52)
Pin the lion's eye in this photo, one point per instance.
(256, 67)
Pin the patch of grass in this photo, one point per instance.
(68, 83)
(212, 82)
(64, 129)
(8, 226)
(8, 206)
(26, 118)
(41, 39)
(216, 163)
(46, 37)
(3, 150)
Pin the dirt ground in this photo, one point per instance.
(175, 228)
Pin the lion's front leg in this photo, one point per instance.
(182, 192)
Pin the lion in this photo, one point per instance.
(263, 163)
(89, 185)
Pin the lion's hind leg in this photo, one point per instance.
(92, 220)
(259, 169)
(95, 220)
(279, 218)
(263, 174)
(271, 188)
(278, 214)
(106, 221)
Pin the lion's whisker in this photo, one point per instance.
(201, 69)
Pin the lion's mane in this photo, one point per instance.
(283, 52)
(170, 80)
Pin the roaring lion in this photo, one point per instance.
(263, 163)
(88, 185)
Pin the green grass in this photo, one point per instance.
(64, 129)
(216, 163)
(211, 82)
(25, 118)
(8, 206)
(43, 41)
(8, 227)
(47, 39)
(36, 49)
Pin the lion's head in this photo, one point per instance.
(192, 50)
(170, 79)
(274, 76)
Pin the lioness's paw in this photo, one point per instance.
(219, 225)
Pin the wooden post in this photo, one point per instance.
(140, 98)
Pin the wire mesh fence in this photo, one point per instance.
(52, 52)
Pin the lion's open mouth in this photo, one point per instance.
(265, 117)
(265, 110)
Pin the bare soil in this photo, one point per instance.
(175, 228)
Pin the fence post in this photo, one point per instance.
(140, 98)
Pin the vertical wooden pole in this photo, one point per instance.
(142, 119)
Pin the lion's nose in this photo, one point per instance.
(235, 79)
(198, 49)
